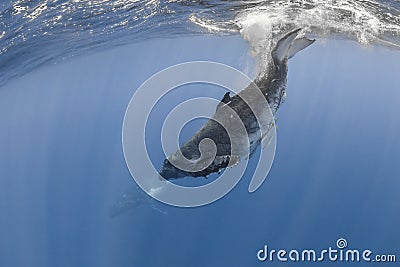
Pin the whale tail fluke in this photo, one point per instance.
(288, 46)
(298, 45)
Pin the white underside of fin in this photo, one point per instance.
(298, 45)
(288, 46)
(283, 46)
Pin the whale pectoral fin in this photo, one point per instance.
(298, 45)
(281, 51)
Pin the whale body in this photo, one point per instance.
(262, 97)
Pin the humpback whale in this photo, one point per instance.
(191, 160)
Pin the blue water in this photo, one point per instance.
(62, 168)
(34, 33)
